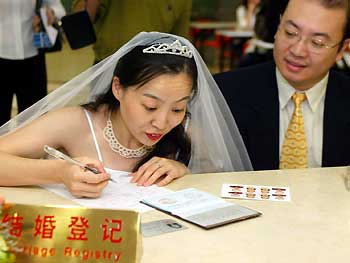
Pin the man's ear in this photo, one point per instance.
(117, 88)
(345, 46)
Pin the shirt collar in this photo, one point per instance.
(314, 95)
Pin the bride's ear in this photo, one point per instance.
(116, 88)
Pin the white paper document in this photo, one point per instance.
(200, 208)
(118, 194)
(50, 30)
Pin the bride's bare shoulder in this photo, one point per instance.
(68, 115)
(77, 116)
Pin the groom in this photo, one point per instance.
(312, 35)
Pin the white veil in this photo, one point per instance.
(216, 144)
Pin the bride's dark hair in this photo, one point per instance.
(137, 68)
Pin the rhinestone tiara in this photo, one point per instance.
(174, 48)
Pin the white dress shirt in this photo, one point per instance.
(312, 109)
(16, 30)
(241, 18)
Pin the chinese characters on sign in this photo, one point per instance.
(15, 223)
(70, 234)
(44, 227)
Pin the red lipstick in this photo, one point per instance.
(154, 136)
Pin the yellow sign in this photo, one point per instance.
(50, 234)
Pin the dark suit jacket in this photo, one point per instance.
(252, 95)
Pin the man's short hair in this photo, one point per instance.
(342, 4)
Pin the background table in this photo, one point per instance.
(235, 39)
(313, 227)
(201, 31)
(212, 24)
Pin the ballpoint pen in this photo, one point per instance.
(59, 155)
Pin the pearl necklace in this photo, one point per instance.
(115, 145)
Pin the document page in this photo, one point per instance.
(118, 194)
(199, 207)
(185, 202)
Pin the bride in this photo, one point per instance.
(152, 109)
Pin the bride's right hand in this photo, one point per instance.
(83, 183)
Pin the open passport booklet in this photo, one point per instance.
(199, 208)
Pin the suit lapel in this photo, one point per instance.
(335, 124)
(266, 106)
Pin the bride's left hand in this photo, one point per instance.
(158, 170)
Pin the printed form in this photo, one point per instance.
(118, 194)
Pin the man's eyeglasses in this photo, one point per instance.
(315, 44)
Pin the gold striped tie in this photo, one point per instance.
(294, 148)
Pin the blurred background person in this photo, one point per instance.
(21, 64)
(116, 22)
(260, 48)
(246, 14)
